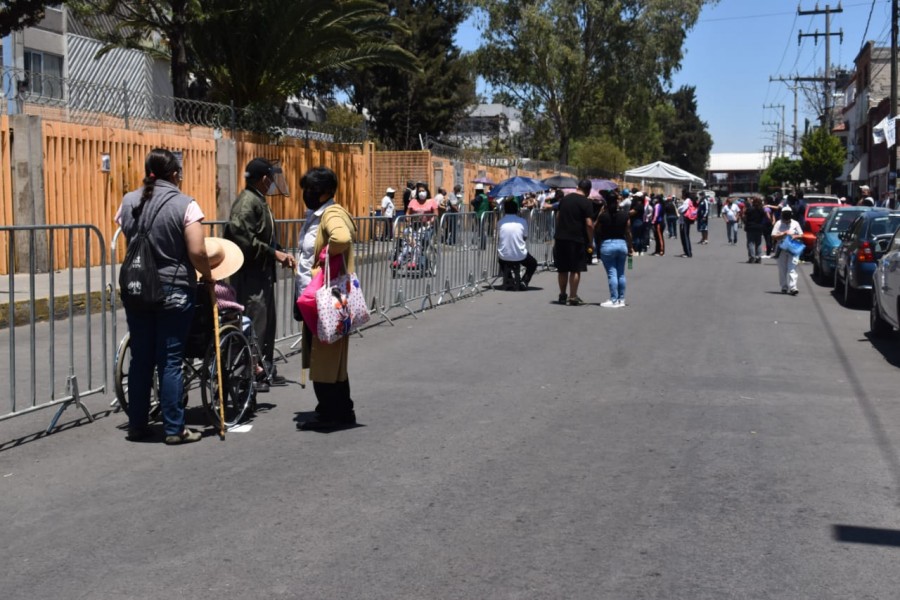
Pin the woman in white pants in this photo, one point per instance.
(787, 262)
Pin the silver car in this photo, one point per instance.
(884, 316)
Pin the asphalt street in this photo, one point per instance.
(713, 439)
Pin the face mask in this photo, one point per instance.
(311, 199)
(422, 195)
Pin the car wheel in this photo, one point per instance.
(837, 284)
(848, 298)
(878, 327)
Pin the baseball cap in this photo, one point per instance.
(257, 169)
(479, 186)
(787, 210)
(390, 190)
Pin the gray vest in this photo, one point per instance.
(166, 231)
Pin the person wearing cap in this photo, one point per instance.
(787, 262)
(252, 227)
(328, 225)
(865, 196)
(159, 337)
(387, 213)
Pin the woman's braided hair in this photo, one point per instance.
(160, 164)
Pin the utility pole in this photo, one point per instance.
(827, 117)
(781, 140)
(796, 89)
(892, 165)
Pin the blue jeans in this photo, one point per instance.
(158, 341)
(731, 231)
(613, 254)
(672, 225)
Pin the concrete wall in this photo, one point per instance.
(27, 163)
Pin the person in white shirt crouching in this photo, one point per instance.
(512, 231)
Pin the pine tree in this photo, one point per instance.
(404, 105)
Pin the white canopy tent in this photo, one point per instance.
(664, 172)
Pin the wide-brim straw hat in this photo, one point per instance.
(225, 257)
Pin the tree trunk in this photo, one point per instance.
(563, 149)
(179, 65)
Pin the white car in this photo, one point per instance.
(884, 316)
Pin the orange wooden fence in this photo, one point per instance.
(77, 190)
(351, 163)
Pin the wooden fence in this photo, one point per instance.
(80, 187)
(78, 190)
(352, 163)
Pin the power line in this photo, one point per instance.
(869, 20)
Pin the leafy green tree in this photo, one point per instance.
(403, 103)
(19, 14)
(585, 63)
(601, 154)
(823, 158)
(686, 142)
(784, 171)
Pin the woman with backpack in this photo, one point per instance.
(687, 214)
(172, 222)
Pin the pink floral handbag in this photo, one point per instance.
(342, 306)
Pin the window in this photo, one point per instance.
(45, 73)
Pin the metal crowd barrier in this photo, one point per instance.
(62, 364)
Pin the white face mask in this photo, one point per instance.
(422, 195)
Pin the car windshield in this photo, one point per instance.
(885, 225)
(819, 212)
(841, 220)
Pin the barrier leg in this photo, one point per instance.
(72, 389)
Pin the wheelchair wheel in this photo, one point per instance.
(431, 260)
(238, 391)
(120, 379)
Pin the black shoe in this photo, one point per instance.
(523, 286)
(277, 380)
(563, 298)
(138, 434)
(328, 424)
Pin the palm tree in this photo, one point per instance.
(263, 51)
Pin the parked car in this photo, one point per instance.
(884, 314)
(821, 199)
(812, 222)
(827, 243)
(861, 246)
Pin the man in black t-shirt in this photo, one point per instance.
(572, 242)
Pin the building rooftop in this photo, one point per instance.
(737, 161)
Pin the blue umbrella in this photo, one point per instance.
(517, 186)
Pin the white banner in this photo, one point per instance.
(890, 131)
(878, 132)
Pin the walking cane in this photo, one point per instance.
(215, 311)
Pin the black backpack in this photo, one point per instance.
(139, 283)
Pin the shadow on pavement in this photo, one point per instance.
(866, 535)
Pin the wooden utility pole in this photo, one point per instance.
(827, 119)
(781, 136)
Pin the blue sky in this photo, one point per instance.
(738, 44)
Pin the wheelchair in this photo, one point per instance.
(415, 254)
(240, 358)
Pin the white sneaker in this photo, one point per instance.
(609, 304)
(619, 304)
(595, 261)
